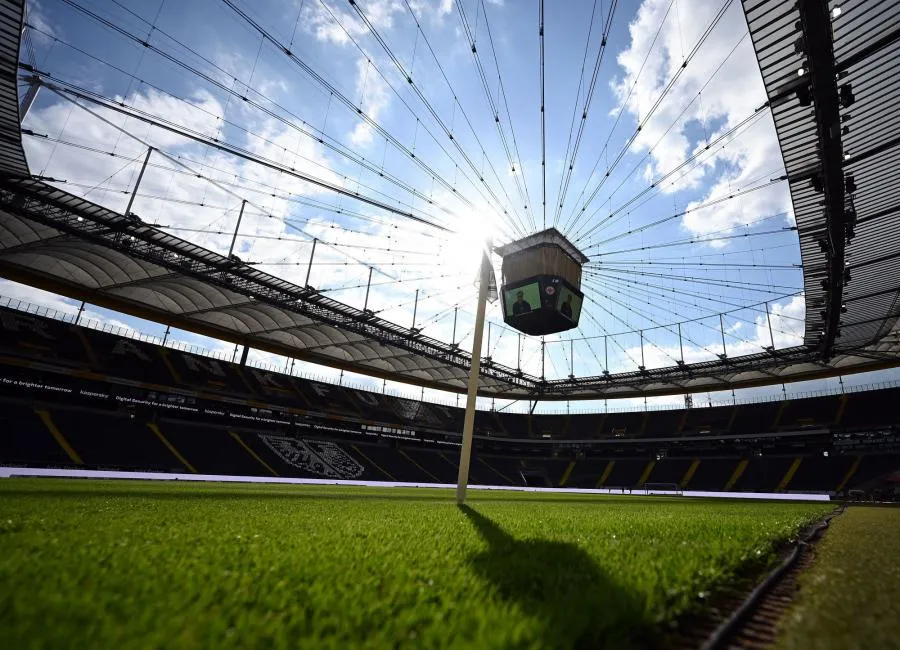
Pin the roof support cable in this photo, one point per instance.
(651, 112)
(437, 118)
(566, 178)
(604, 152)
(543, 120)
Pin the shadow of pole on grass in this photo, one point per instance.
(560, 586)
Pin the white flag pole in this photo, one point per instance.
(469, 423)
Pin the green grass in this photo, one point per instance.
(139, 565)
(850, 598)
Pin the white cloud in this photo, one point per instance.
(202, 113)
(109, 180)
(328, 29)
(330, 23)
(333, 25)
(732, 94)
(51, 305)
(787, 331)
(36, 15)
(16, 292)
(374, 98)
(435, 9)
(749, 164)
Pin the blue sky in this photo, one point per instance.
(659, 257)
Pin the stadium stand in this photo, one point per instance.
(815, 471)
(545, 426)
(114, 355)
(210, 450)
(25, 335)
(626, 473)
(554, 469)
(709, 420)
(434, 464)
(670, 470)
(869, 409)
(76, 397)
(117, 441)
(754, 418)
(713, 474)
(392, 465)
(622, 425)
(763, 474)
(872, 468)
(585, 426)
(587, 473)
(504, 470)
(665, 423)
(810, 413)
(26, 440)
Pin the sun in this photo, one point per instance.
(476, 232)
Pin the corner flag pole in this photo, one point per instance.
(469, 422)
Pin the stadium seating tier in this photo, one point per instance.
(76, 397)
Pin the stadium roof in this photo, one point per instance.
(835, 110)
(57, 241)
(12, 156)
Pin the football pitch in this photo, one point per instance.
(149, 564)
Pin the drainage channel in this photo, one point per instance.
(746, 615)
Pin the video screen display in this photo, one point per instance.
(523, 299)
(569, 304)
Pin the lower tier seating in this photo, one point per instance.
(68, 436)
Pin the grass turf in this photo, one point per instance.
(137, 565)
(850, 598)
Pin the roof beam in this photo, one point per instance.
(138, 282)
(815, 22)
(31, 245)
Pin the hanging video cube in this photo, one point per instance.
(544, 304)
(541, 288)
